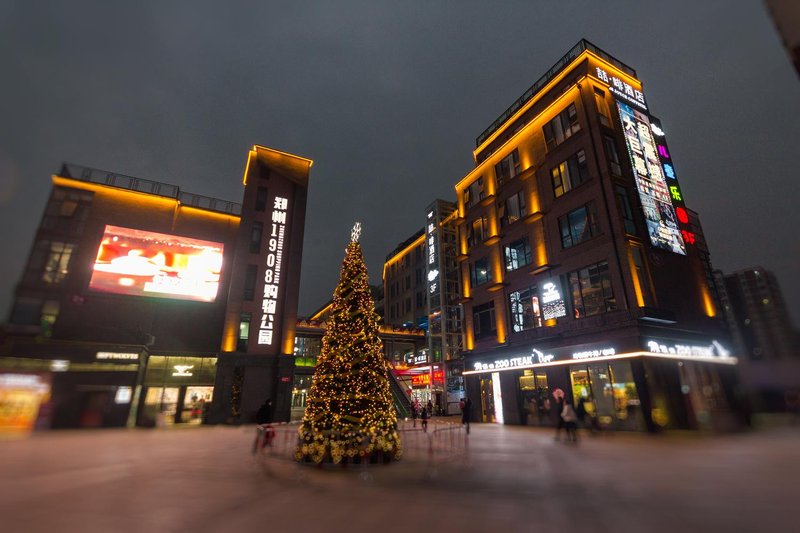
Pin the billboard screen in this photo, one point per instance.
(659, 213)
(144, 263)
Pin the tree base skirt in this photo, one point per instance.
(379, 458)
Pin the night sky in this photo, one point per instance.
(387, 100)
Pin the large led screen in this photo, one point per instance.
(659, 213)
(144, 263)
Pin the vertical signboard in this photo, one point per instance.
(672, 182)
(654, 192)
(272, 270)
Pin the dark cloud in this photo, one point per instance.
(387, 99)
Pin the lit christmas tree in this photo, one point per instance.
(349, 412)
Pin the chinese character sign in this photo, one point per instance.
(655, 194)
(272, 271)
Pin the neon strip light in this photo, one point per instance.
(717, 360)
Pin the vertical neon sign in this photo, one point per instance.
(272, 273)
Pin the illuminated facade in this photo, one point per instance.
(580, 269)
(133, 301)
(422, 275)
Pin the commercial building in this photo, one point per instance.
(580, 270)
(435, 372)
(143, 304)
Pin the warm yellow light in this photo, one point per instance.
(402, 253)
(611, 69)
(230, 334)
(637, 288)
(708, 302)
(500, 319)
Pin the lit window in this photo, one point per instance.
(56, 267)
(474, 193)
(562, 127)
(569, 174)
(578, 226)
(513, 209)
(518, 254)
(480, 272)
(524, 308)
(507, 168)
(592, 293)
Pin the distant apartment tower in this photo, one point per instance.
(759, 316)
(582, 270)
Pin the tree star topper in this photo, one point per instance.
(356, 233)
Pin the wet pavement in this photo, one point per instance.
(509, 479)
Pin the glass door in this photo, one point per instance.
(487, 400)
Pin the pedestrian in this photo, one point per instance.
(580, 412)
(425, 420)
(263, 419)
(570, 421)
(430, 408)
(558, 406)
(466, 408)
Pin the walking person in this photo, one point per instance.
(466, 408)
(570, 421)
(425, 417)
(430, 408)
(558, 406)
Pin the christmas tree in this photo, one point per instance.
(349, 413)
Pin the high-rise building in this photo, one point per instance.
(143, 304)
(581, 272)
(759, 315)
(786, 17)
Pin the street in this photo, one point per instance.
(511, 479)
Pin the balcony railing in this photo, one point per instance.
(121, 181)
(574, 52)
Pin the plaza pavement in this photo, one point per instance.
(510, 479)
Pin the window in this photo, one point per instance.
(591, 290)
(408, 282)
(48, 317)
(408, 305)
(625, 209)
(261, 199)
(518, 254)
(569, 174)
(483, 323)
(513, 209)
(250, 277)
(244, 332)
(612, 155)
(418, 276)
(578, 226)
(562, 127)
(477, 232)
(255, 237)
(420, 300)
(507, 168)
(601, 104)
(56, 266)
(480, 272)
(524, 308)
(474, 193)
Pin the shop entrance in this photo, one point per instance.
(535, 402)
(177, 390)
(487, 400)
(165, 406)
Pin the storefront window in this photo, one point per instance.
(609, 394)
(300, 388)
(626, 398)
(177, 389)
(487, 400)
